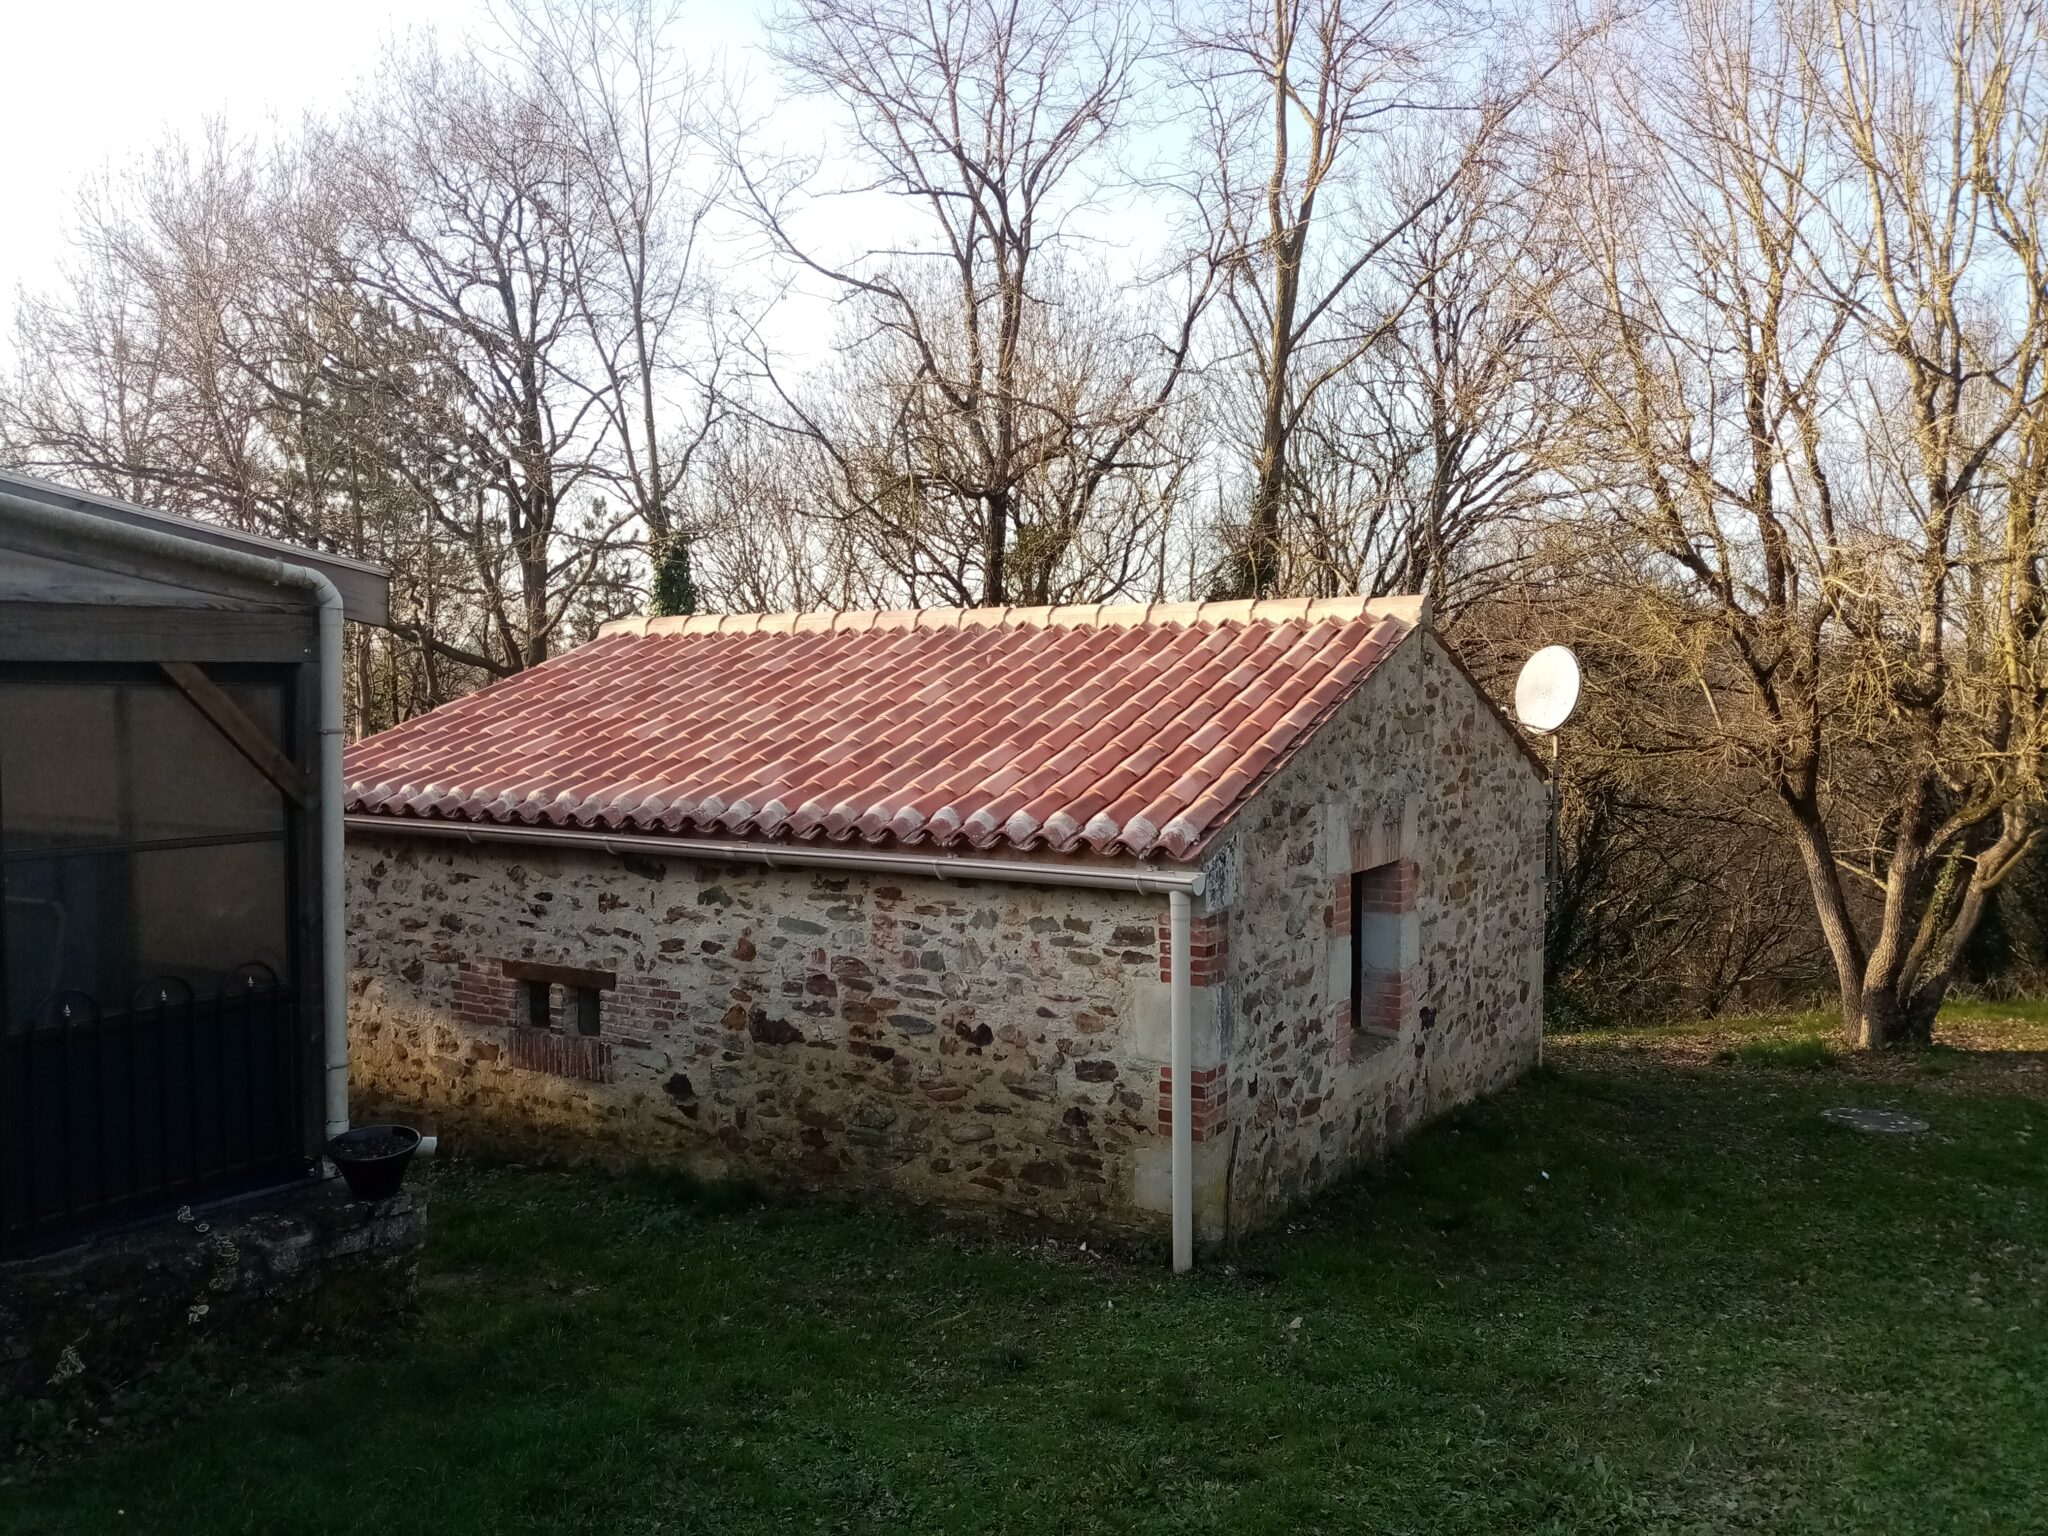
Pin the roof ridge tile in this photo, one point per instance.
(1413, 610)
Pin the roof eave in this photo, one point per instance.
(365, 589)
(1106, 872)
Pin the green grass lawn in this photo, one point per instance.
(1655, 1300)
(1979, 1048)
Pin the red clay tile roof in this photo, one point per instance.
(1118, 730)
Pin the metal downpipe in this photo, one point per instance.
(1180, 931)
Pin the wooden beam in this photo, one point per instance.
(244, 734)
(120, 632)
(559, 975)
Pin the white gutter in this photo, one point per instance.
(1178, 886)
(944, 866)
(328, 798)
(75, 527)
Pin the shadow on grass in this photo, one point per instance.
(1602, 1302)
(1979, 1049)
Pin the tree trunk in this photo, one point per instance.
(995, 538)
(1831, 905)
(1260, 574)
(1886, 1019)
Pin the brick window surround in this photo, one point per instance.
(1371, 912)
(564, 1041)
(1380, 899)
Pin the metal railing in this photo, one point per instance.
(108, 1117)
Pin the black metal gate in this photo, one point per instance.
(108, 1116)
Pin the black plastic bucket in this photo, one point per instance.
(373, 1158)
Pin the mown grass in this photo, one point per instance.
(1987, 1046)
(1658, 1302)
(2025, 1018)
(1797, 1053)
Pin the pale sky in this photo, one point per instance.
(96, 84)
(92, 84)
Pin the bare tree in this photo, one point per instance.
(462, 215)
(1677, 892)
(1815, 402)
(634, 117)
(458, 332)
(758, 547)
(1329, 129)
(1422, 469)
(200, 357)
(1000, 401)
(141, 376)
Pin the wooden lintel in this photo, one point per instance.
(244, 734)
(571, 976)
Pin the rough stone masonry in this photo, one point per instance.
(975, 1044)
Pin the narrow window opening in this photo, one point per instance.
(1358, 894)
(587, 1017)
(539, 1005)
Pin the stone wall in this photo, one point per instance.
(79, 1323)
(1423, 788)
(953, 1042)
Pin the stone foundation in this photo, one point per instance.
(270, 1266)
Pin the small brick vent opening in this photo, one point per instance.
(558, 1020)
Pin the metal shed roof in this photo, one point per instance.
(365, 589)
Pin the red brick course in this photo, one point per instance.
(1340, 1031)
(1385, 890)
(1337, 911)
(486, 998)
(1208, 1098)
(1208, 951)
(1392, 887)
(641, 1005)
(586, 1058)
(1385, 1004)
(484, 995)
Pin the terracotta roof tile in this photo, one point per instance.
(1125, 730)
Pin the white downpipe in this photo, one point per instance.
(1180, 933)
(83, 528)
(1178, 886)
(333, 858)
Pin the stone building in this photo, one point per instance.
(889, 902)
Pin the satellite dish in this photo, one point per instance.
(1548, 690)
